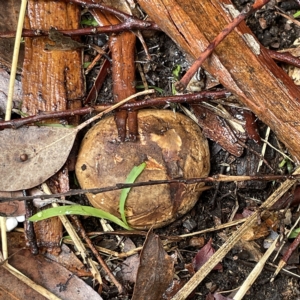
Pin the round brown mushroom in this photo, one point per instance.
(172, 147)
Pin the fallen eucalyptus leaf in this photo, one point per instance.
(31, 155)
(155, 272)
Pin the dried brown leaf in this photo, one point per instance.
(203, 255)
(155, 272)
(214, 129)
(51, 275)
(31, 155)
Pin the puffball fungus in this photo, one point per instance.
(171, 145)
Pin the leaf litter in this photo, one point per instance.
(31, 155)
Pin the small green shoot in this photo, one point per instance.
(294, 233)
(89, 22)
(288, 164)
(77, 210)
(133, 175)
(91, 211)
(297, 14)
(20, 113)
(161, 91)
(282, 163)
(86, 64)
(175, 73)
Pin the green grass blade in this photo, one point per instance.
(77, 210)
(133, 175)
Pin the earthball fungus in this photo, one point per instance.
(171, 145)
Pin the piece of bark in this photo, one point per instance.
(240, 63)
(52, 81)
(8, 22)
(123, 72)
(122, 48)
(214, 129)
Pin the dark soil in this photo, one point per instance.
(217, 204)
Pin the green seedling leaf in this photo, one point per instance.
(176, 72)
(294, 233)
(161, 91)
(77, 210)
(133, 175)
(86, 64)
(297, 14)
(289, 167)
(89, 22)
(282, 163)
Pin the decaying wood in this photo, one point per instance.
(240, 63)
(213, 128)
(52, 81)
(123, 72)
(9, 22)
(122, 47)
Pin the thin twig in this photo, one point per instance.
(95, 252)
(182, 84)
(119, 186)
(76, 240)
(288, 253)
(285, 57)
(188, 98)
(263, 150)
(255, 272)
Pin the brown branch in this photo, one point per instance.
(125, 26)
(123, 76)
(188, 98)
(130, 23)
(295, 244)
(285, 57)
(119, 186)
(181, 85)
(97, 255)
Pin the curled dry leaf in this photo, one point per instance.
(31, 155)
(203, 255)
(213, 128)
(155, 272)
(51, 275)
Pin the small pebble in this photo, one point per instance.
(189, 224)
(11, 223)
(20, 218)
(197, 242)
